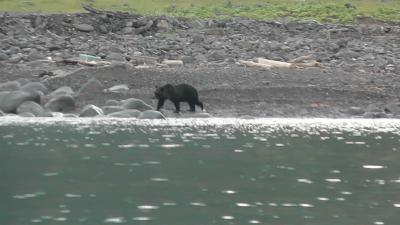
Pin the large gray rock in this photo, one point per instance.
(91, 87)
(65, 90)
(134, 103)
(32, 107)
(3, 56)
(10, 101)
(34, 86)
(112, 102)
(128, 113)
(91, 111)
(112, 109)
(61, 103)
(151, 114)
(26, 114)
(84, 27)
(9, 86)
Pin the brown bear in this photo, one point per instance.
(176, 94)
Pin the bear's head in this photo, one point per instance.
(163, 92)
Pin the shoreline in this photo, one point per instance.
(360, 78)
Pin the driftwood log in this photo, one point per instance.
(300, 62)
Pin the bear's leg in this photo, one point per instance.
(199, 103)
(177, 107)
(192, 106)
(160, 104)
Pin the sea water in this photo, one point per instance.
(199, 171)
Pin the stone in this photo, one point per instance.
(163, 25)
(134, 103)
(128, 113)
(11, 100)
(3, 56)
(9, 86)
(122, 88)
(112, 109)
(34, 55)
(34, 86)
(112, 102)
(31, 107)
(22, 81)
(84, 27)
(91, 87)
(151, 114)
(91, 111)
(61, 103)
(65, 90)
(26, 114)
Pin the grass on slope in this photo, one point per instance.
(320, 10)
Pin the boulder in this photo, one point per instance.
(26, 114)
(65, 90)
(91, 111)
(61, 103)
(112, 109)
(112, 102)
(134, 103)
(10, 101)
(91, 87)
(9, 86)
(32, 107)
(128, 113)
(151, 114)
(34, 86)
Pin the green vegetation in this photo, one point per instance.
(339, 11)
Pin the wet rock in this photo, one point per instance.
(32, 107)
(112, 102)
(91, 111)
(91, 87)
(151, 114)
(61, 103)
(129, 113)
(34, 86)
(65, 90)
(122, 88)
(22, 81)
(112, 109)
(393, 108)
(134, 103)
(10, 101)
(84, 27)
(9, 86)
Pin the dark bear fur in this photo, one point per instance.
(177, 94)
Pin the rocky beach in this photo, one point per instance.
(42, 74)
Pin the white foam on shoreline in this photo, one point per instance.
(321, 124)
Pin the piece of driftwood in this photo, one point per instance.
(294, 63)
(171, 62)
